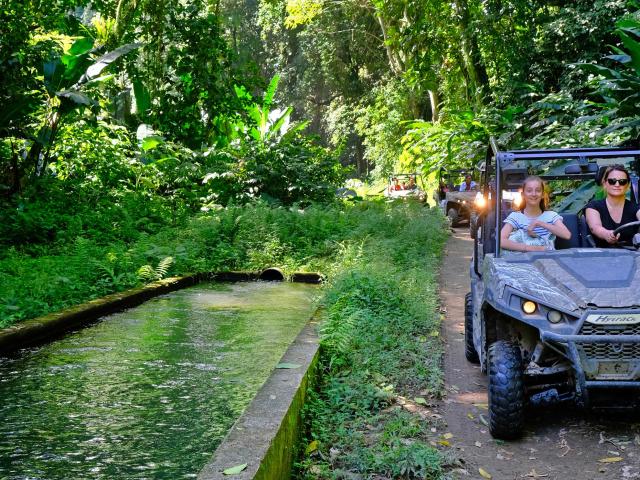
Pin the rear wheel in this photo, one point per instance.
(506, 390)
(452, 213)
(469, 349)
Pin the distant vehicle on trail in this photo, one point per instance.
(403, 185)
(456, 194)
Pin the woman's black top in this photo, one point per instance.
(628, 215)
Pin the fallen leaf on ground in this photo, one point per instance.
(448, 435)
(420, 401)
(288, 365)
(470, 416)
(444, 443)
(481, 405)
(563, 444)
(534, 474)
(478, 444)
(610, 459)
(234, 470)
(484, 473)
(312, 447)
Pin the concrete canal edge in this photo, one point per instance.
(49, 327)
(265, 436)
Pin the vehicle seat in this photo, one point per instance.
(572, 222)
(586, 238)
(489, 243)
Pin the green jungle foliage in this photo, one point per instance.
(379, 341)
(250, 237)
(141, 139)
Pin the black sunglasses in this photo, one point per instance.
(620, 181)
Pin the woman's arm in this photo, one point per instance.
(595, 225)
(559, 229)
(516, 246)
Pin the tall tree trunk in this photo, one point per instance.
(471, 52)
(395, 63)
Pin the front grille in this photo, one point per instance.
(610, 351)
(591, 329)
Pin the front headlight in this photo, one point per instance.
(554, 316)
(529, 307)
(480, 202)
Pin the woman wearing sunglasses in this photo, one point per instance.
(604, 216)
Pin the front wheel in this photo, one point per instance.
(473, 225)
(452, 213)
(469, 349)
(506, 390)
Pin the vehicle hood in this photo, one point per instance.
(569, 279)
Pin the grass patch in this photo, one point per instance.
(380, 346)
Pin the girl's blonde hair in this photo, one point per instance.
(544, 201)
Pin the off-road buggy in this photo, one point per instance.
(560, 325)
(403, 185)
(456, 205)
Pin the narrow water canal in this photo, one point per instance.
(146, 393)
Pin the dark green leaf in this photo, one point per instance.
(81, 46)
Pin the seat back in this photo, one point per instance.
(572, 222)
(488, 229)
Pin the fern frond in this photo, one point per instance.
(163, 267)
(146, 274)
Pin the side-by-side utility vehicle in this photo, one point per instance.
(560, 325)
(455, 204)
(403, 185)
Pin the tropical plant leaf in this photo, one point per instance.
(108, 58)
(270, 92)
(280, 121)
(81, 46)
(151, 142)
(76, 97)
(599, 70)
(142, 96)
(633, 46)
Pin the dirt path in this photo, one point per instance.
(564, 444)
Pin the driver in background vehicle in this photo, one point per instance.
(468, 184)
(533, 228)
(604, 216)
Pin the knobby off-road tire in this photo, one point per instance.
(469, 350)
(452, 213)
(473, 225)
(506, 390)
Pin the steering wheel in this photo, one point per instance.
(633, 244)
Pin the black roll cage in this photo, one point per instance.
(505, 159)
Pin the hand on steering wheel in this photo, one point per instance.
(624, 227)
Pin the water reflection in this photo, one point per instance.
(147, 393)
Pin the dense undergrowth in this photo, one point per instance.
(380, 346)
(235, 237)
